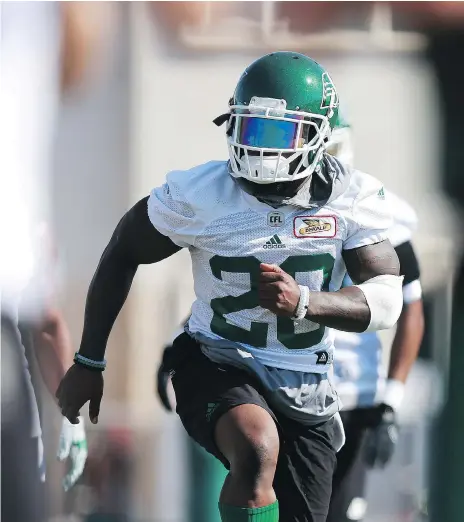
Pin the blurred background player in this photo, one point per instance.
(371, 396)
(45, 47)
(47, 344)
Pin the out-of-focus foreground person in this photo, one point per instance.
(29, 96)
(445, 25)
(41, 57)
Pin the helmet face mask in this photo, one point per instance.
(269, 148)
(274, 139)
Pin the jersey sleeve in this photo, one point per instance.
(370, 216)
(171, 213)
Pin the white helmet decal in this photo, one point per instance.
(329, 93)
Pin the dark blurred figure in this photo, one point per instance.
(446, 54)
(21, 493)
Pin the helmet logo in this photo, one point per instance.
(329, 93)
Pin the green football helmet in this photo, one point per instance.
(340, 143)
(281, 115)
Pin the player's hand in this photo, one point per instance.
(381, 437)
(277, 291)
(163, 377)
(72, 445)
(78, 386)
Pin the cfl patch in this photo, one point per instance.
(315, 226)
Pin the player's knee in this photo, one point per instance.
(248, 437)
(258, 459)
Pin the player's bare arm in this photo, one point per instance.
(381, 439)
(347, 309)
(408, 338)
(53, 347)
(410, 328)
(134, 242)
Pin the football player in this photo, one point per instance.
(271, 233)
(370, 396)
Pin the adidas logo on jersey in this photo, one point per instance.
(274, 242)
(324, 358)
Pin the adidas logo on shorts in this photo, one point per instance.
(210, 408)
(274, 242)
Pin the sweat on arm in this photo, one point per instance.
(134, 242)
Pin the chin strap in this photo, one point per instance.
(220, 120)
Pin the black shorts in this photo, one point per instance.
(348, 499)
(205, 391)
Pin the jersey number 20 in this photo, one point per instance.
(257, 335)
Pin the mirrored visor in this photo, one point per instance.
(268, 133)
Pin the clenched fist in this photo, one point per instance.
(277, 291)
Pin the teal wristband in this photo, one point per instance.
(89, 363)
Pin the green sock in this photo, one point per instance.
(268, 513)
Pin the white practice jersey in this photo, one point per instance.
(229, 233)
(360, 374)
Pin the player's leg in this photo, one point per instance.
(247, 437)
(348, 500)
(222, 410)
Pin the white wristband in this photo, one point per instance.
(394, 393)
(303, 303)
